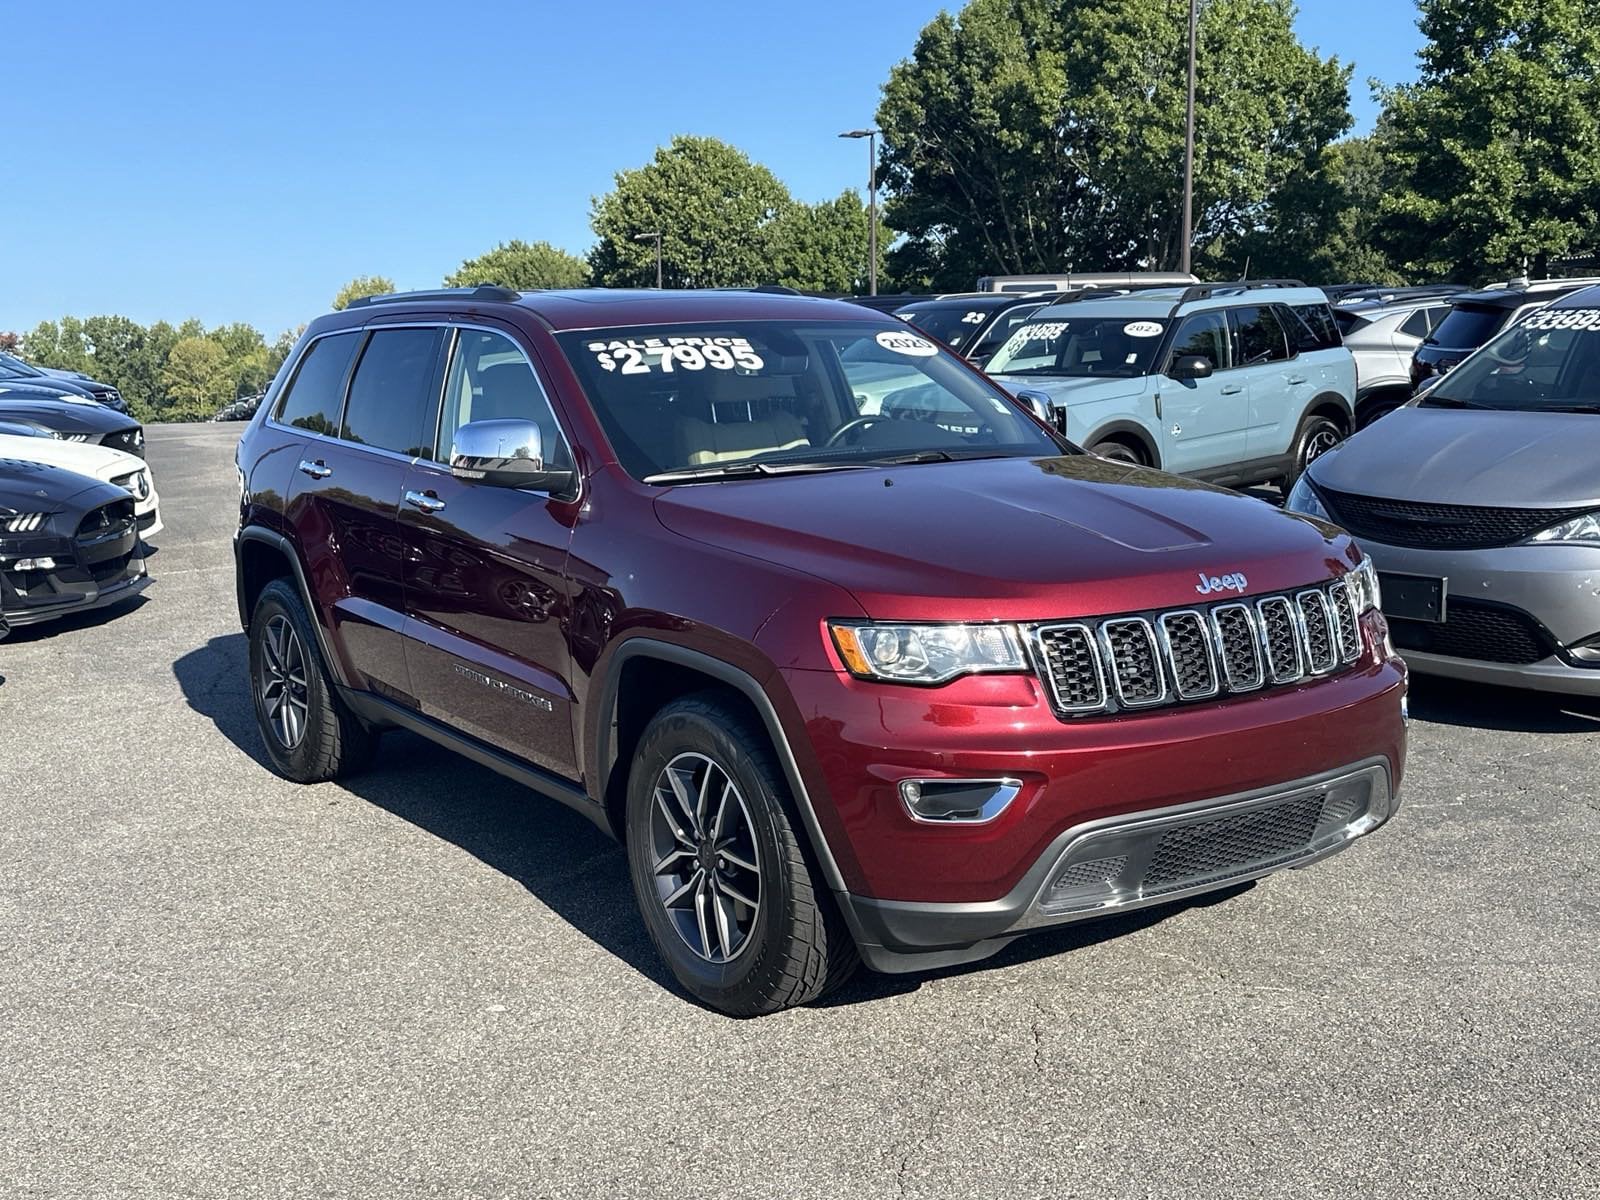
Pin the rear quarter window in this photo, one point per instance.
(1467, 326)
(316, 393)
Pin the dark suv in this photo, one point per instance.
(898, 684)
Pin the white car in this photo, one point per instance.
(130, 473)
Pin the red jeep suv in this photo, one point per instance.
(859, 658)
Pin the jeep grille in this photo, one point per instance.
(1144, 660)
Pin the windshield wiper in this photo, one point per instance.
(1451, 402)
(1577, 408)
(746, 470)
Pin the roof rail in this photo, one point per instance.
(1205, 291)
(484, 291)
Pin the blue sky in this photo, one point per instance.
(241, 161)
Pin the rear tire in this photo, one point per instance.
(310, 735)
(706, 803)
(1316, 436)
(1119, 451)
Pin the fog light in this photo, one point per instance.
(958, 801)
(1587, 652)
(34, 564)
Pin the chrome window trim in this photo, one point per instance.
(1256, 645)
(1297, 634)
(1328, 625)
(1041, 665)
(1170, 658)
(1155, 653)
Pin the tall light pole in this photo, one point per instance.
(1188, 144)
(872, 204)
(645, 237)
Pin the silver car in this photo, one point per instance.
(1383, 334)
(1479, 503)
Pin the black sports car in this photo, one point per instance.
(14, 368)
(68, 543)
(75, 420)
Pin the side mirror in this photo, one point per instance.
(1190, 366)
(1041, 406)
(507, 454)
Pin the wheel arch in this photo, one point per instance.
(262, 555)
(644, 675)
(1126, 431)
(1333, 406)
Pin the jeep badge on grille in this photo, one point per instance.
(1222, 583)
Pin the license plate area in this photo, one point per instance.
(1413, 597)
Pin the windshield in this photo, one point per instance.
(1549, 362)
(1085, 346)
(953, 322)
(1467, 326)
(738, 397)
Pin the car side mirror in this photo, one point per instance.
(507, 454)
(1190, 366)
(1041, 406)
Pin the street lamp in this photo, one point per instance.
(1188, 143)
(645, 237)
(872, 204)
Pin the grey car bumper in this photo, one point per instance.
(1512, 614)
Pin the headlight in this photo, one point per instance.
(73, 437)
(1584, 529)
(1363, 581)
(1303, 499)
(927, 653)
(23, 522)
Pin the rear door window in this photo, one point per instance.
(1313, 327)
(315, 395)
(1204, 335)
(1260, 335)
(393, 392)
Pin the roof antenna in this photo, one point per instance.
(1245, 277)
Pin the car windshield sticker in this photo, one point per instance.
(972, 318)
(907, 343)
(640, 356)
(1562, 318)
(1142, 329)
(1043, 331)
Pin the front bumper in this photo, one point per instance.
(81, 580)
(1544, 599)
(1135, 860)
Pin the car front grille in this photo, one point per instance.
(1476, 630)
(1145, 660)
(1213, 849)
(1438, 526)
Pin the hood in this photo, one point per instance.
(39, 487)
(100, 461)
(1009, 539)
(1464, 456)
(31, 387)
(1070, 389)
(65, 416)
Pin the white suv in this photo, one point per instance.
(1234, 383)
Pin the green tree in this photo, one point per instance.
(1043, 135)
(1496, 147)
(822, 247)
(713, 206)
(197, 379)
(523, 265)
(362, 285)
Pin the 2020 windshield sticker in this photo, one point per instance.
(1562, 318)
(1142, 329)
(640, 356)
(907, 343)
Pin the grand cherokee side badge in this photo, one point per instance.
(1222, 583)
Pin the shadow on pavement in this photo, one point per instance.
(21, 635)
(556, 854)
(1512, 710)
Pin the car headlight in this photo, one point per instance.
(927, 653)
(1303, 499)
(23, 522)
(1583, 529)
(1363, 582)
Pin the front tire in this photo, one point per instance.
(310, 735)
(1119, 451)
(718, 869)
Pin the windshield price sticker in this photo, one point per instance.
(907, 343)
(1562, 318)
(640, 356)
(972, 318)
(1142, 329)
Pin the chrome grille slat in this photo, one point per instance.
(1137, 661)
(1239, 646)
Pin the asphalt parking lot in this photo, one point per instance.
(431, 982)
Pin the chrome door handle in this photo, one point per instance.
(1232, 389)
(315, 469)
(426, 501)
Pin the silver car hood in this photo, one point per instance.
(1462, 456)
